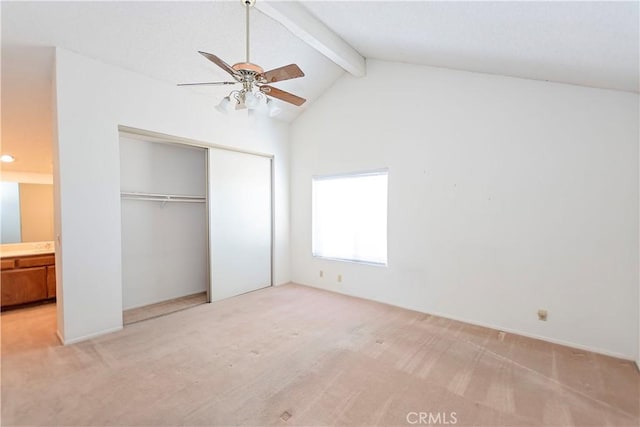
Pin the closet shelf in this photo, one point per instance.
(162, 197)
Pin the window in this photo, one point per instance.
(350, 217)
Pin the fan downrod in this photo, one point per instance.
(247, 69)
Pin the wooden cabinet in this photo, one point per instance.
(8, 263)
(35, 261)
(51, 281)
(23, 285)
(27, 279)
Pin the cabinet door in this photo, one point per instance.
(23, 285)
(51, 281)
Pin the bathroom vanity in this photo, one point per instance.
(28, 273)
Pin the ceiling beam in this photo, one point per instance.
(316, 34)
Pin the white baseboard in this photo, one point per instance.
(540, 337)
(286, 283)
(59, 335)
(498, 328)
(86, 337)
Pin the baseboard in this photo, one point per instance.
(86, 337)
(540, 337)
(59, 337)
(286, 283)
(495, 327)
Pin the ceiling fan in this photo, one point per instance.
(254, 80)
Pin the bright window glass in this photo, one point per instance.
(350, 217)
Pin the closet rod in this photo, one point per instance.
(154, 199)
(162, 197)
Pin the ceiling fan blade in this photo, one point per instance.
(208, 84)
(219, 62)
(282, 95)
(291, 71)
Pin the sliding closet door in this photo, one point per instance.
(164, 221)
(240, 222)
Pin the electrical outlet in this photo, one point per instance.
(542, 315)
(339, 278)
(321, 273)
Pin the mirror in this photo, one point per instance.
(26, 212)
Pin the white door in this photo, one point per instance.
(240, 222)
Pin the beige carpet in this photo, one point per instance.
(293, 355)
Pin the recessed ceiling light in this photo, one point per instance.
(7, 158)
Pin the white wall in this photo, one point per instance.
(92, 99)
(505, 196)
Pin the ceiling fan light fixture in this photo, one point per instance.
(254, 80)
(224, 106)
(241, 105)
(274, 110)
(251, 100)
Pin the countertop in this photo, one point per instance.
(26, 249)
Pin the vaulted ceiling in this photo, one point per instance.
(584, 43)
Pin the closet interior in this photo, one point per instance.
(197, 224)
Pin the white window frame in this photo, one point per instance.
(383, 171)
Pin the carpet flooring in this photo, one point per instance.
(294, 355)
